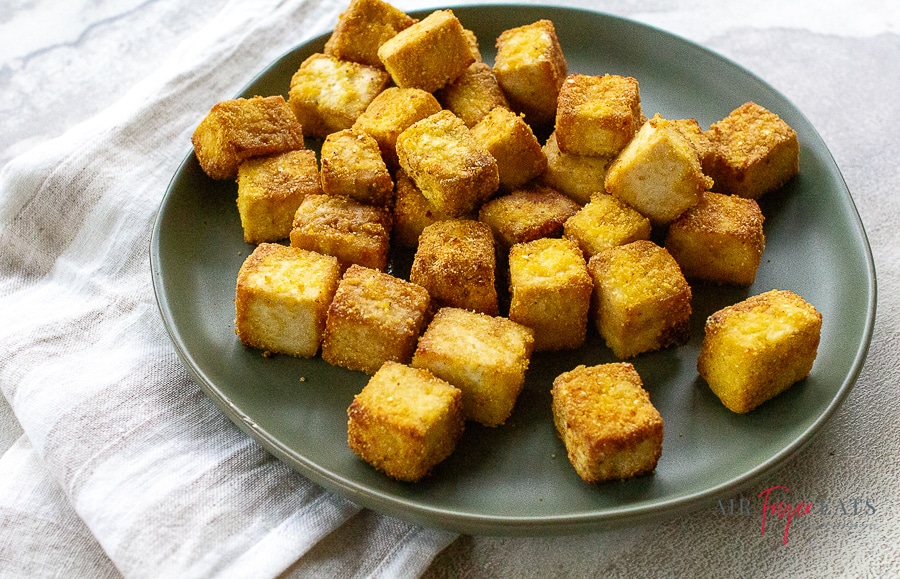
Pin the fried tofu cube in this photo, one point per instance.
(758, 348)
(530, 67)
(282, 298)
(236, 130)
(328, 94)
(405, 421)
(455, 261)
(374, 318)
(527, 214)
(511, 142)
(597, 115)
(658, 173)
(607, 422)
(577, 176)
(412, 212)
(452, 171)
(362, 28)
(550, 290)
(349, 230)
(473, 94)
(270, 189)
(691, 129)
(753, 152)
(352, 166)
(484, 356)
(720, 239)
(392, 112)
(428, 54)
(605, 222)
(641, 300)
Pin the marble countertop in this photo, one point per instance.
(63, 62)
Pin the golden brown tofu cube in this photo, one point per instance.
(362, 28)
(473, 94)
(753, 152)
(658, 173)
(328, 94)
(392, 112)
(270, 189)
(758, 348)
(690, 128)
(720, 239)
(511, 142)
(527, 214)
(484, 356)
(405, 421)
(374, 318)
(428, 54)
(641, 300)
(577, 176)
(597, 115)
(550, 290)
(530, 67)
(349, 230)
(412, 212)
(282, 298)
(456, 263)
(452, 171)
(352, 166)
(236, 130)
(606, 420)
(605, 222)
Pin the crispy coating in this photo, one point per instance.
(473, 94)
(758, 348)
(550, 290)
(484, 356)
(405, 421)
(456, 263)
(608, 423)
(236, 130)
(352, 166)
(412, 212)
(511, 142)
(605, 222)
(597, 115)
(270, 189)
(720, 239)
(362, 28)
(527, 214)
(577, 176)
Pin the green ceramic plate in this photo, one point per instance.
(516, 479)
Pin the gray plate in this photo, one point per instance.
(516, 479)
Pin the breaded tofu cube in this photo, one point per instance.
(758, 348)
(641, 300)
(374, 318)
(720, 239)
(236, 130)
(405, 421)
(597, 115)
(550, 290)
(362, 28)
(282, 298)
(530, 67)
(270, 189)
(577, 176)
(607, 422)
(349, 230)
(328, 94)
(455, 261)
(527, 214)
(691, 129)
(428, 54)
(392, 112)
(605, 222)
(443, 160)
(484, 356)
(658, 173)
(412, 212)
(473, 94)
(511, 142)
(753, 152)
(352, 166)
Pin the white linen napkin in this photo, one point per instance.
(120, 447)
